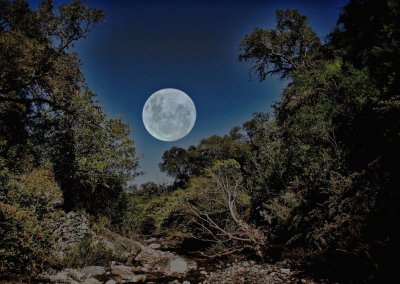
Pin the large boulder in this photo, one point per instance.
(164, 261)
(129, 250)
(125, 249)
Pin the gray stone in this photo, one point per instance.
(125, 272)
(154, 246)
(124, 248)
(84, 226)
(285, 270)
(60, 277)
(178, 266)
(77, 275)
(70, 232)
(91, 281)
(138, 278)
(93, 270)
(111, 281)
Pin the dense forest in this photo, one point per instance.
(314, 182)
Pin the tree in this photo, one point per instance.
(222, 221)
(177, 163)
(38, 74)
(293, 45)
(367, 34)
(49, 114)
(98, 157)
(325, 166)
(183, 164)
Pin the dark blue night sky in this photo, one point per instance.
(144, 46)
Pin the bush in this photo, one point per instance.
(158, 214)
(24, 242)
(26, 223)
(37, 191)
(89, 252)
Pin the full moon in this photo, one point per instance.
(169, 114)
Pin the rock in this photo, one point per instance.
(178, 266)
(203, 272)
(122, 271)
(84, 226)
(138, 278)
(91, 281)
(154, 246)
(70, 232)
(126, 249)
(185, 282)
(60, 277)
(152, 240)
(111, 281)
(75, 274)
(93, 270)
(285, 270)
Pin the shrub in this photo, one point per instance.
(24, 242)
(89, 252)
(158, 214)
(26, 223)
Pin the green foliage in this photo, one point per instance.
(222, 181)
(316, 180)
(321, 173)
(323, 170)
(158, 214)
(223, 222)
(26, 216)
(24, 243)
(57, 146)
(89, 252)
(367, 35)
(99, 158)
(36, 191)
(48, 113)
(183, 164)
(292, 46)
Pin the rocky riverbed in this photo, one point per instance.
(150, 262)
(238, 272)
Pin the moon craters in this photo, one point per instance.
(169, 114)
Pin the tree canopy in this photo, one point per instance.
(48, 113)
(321, 169)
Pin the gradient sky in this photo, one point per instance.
(144, 46)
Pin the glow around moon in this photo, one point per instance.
(169, 114)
